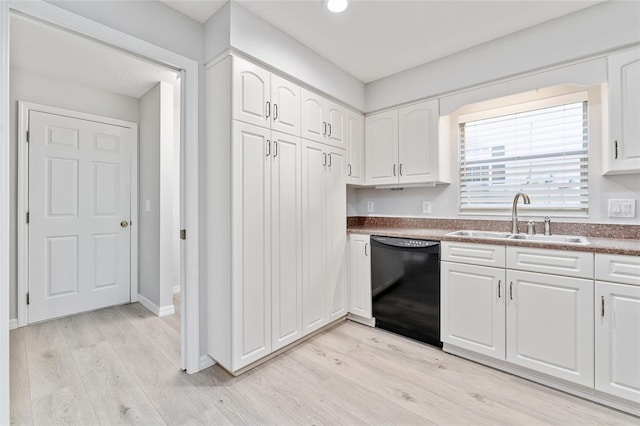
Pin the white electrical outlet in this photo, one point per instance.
(147, 205)
(426, 207)
(370, 207)
(622, 208)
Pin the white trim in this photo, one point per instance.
(5, 209)
(190, 315)
(176, 289)
(24, 108)
(159, 311)
(206, 361)
(13, 324)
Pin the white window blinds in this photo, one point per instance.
(540, 148)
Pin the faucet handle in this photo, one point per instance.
(547, 225)
(531, 228)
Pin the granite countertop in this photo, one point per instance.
(630, 247)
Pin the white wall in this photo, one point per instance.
(32, 87)
(155, 187)
(593, 30)
(264, 42)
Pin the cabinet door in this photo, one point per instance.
(618, 340)
(381, 148)
(336, 117)
(286, 240)
(285, 113)
(417, 142)
(251, 228)
(623, 149)
(472, 308)
(550, 325)
(314, 311)
(355, 148)
(360, 275)
(336, 234)
(313, 116)
(251, 94)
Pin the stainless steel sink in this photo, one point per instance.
(566, 239)
(480, 234)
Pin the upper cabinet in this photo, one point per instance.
(264, 99)
(402, 146)
(622, 149)
(354, 135)
(322, 120)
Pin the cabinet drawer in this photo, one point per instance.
(559, 262)
(618, 269)
(475, 254)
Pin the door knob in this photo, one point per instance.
(124, 223)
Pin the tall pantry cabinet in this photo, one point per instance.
(275, 217)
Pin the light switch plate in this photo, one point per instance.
(370, 207)
(426, 207)
(622, 208)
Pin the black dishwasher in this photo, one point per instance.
(405, 286)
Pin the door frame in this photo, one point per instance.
(191, 360)
(24, 108)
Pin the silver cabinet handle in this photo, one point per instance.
(499, 285)
(400, 169)
(329, 160)
(349, 167)
(268, 109)
(329, 125)
(616, 149)
(324, 128)
(602, 306)
(511, 290)
(394, 169)
(275, 149)
(366, 253)
(275, 112)
(268, 147)
(324, 158)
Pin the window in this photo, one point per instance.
(539, 147)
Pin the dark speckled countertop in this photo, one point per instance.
(620, 246)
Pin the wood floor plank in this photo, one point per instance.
(80, 330)
(115, 396)
(20, 394)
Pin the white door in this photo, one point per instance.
(618, 340)
(286, 240)
(79, 208)
(354, 135)
(336, 115)
(313, 124)
(417, 139)
(550, 325)
(381, 148)
(251, 93)
(360, 275)
(314, 312)
(251, 267)
(336, 234)
(472, 300)
(285, 113)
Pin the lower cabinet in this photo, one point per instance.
(360, 275)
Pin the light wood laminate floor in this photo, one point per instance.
(121, 366)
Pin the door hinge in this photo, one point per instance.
(183, 234)
(27, 136)
(27, 298)
(28, 217)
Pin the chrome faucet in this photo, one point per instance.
(514, 211)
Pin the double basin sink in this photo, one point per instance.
(558, 239)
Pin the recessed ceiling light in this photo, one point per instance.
(337, 6)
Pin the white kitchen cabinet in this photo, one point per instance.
(322, 120)
(354, 138)
(473, 308)
(264, 99)
(324, 235)
(402, 146)
(617, 336)
(360, 275)
(550, 325)
(622, 149)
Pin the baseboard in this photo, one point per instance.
(205, 362)
(371, 322)
(176, 289)
(13, 324)
(155, 309)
